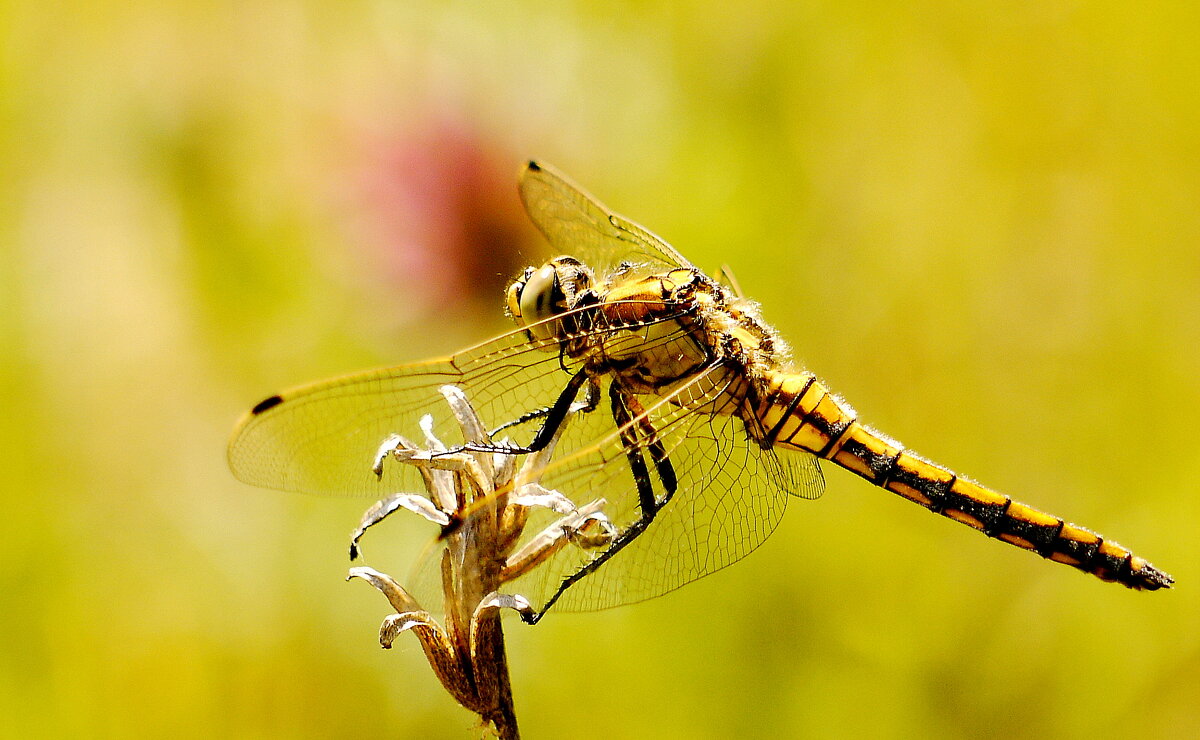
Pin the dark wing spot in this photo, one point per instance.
(534, 166)
(267, 403)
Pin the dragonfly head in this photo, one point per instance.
(544, 292)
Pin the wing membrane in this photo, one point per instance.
(728, 501)
(322, 438)
(578, 224)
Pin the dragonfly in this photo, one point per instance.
(687, 417)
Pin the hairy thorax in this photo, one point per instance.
(669, 328)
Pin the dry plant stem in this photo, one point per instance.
(477, 633)
(491, 676)
(478, 638)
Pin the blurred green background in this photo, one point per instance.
(977, 221)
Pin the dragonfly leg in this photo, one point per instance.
(591, 401)
(630, 415)
(630, 427)
(554, 417)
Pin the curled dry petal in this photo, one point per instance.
(497, 600)
(439, 651)
(382, 509)
(400, 599)
(578, 527)
(387, 449)
(534, 494)
(473, 430)
(431, 440)
(395, 624)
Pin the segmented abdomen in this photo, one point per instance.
(799, 412)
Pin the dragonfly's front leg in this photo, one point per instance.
(591, 401)
(555, 415)
(636, 433)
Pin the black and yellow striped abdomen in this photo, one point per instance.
(798, 412)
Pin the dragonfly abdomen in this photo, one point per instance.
(799, 412)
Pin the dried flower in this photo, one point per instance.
(481, 501)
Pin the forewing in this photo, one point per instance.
(728, 501)
(322, 438)
(577, 224)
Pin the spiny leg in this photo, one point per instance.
(630, 428)
(591, 401)
(635, 413)
(554, 418)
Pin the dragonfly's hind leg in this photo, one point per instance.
(632, 424)
(630, 416)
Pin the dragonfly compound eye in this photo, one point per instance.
(546, 292)
(541, 297)
(512, 296)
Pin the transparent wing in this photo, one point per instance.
(799, 473)
(730, 496)
(322, 438)
(577, 224)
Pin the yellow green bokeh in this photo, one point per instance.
(979, 222)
